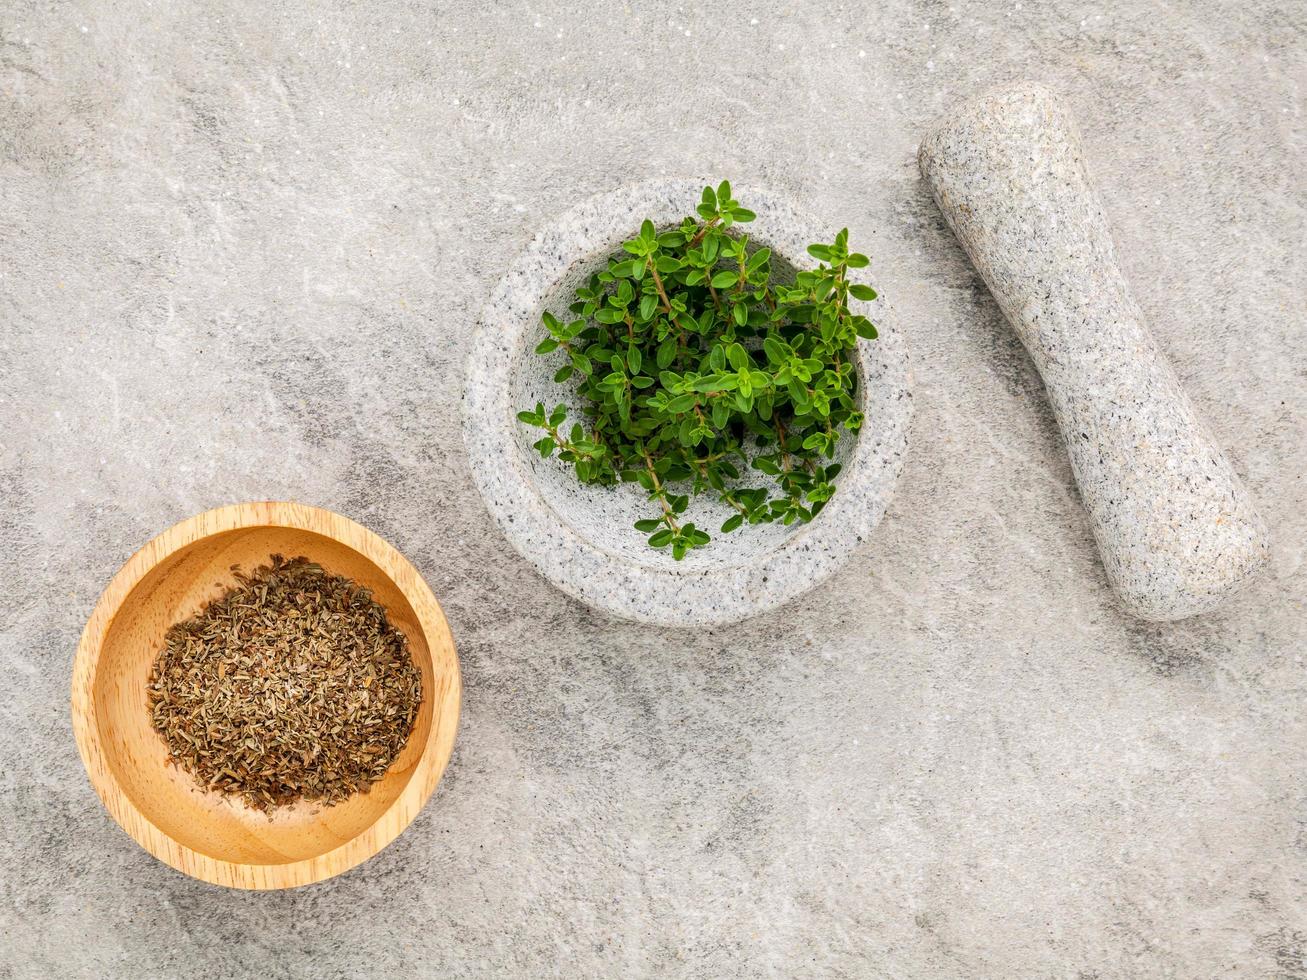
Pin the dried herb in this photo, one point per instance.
(291, 686)
(693, 365)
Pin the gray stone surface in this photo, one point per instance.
(242, 251)
(581, 538)
(1178, 532)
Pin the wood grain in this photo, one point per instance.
(208, 835)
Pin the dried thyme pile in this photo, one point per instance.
(291, 686)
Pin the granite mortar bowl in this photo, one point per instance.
(581, 537)
(206, 834)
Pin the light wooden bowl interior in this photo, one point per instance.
(207, 834)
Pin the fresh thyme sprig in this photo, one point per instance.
(693, 365)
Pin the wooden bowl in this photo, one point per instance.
(206, 834)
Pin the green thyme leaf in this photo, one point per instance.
(708, 370)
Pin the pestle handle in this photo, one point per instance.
(1176, 528)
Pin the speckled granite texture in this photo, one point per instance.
(581, 538)
(242, 252)
(1177, 529)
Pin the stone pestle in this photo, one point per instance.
(1176, 528)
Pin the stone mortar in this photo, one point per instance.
(1176, 528)
(580, 537)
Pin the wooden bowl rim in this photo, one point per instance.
(431, 761)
